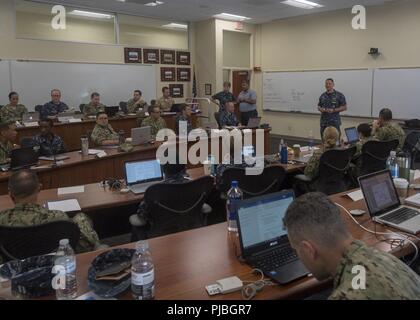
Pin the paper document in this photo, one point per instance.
(31, 124)
(413, 200)
(306, 149)
(356, 195)
(417, 175)
(65, 205)
(75, 120)
(70, 190)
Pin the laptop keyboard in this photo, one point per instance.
(276, 258)
(400, 215)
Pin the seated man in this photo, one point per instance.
(166, 101)
(54, 107)
(94, 106)
(322, 241)
(136, 103)
(155, 121)
(13, 111)
(49, 144)
(103, 134)
(330, 139)
(24, 189)
(8, 134)
(183, 121)
(384, 129)
(227, 116)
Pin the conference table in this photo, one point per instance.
(71, 132)
(81, 170)
(184, 263)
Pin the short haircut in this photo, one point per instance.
(152, 102)
(138, 91)
(330, 79)
(227, 84)
(58, 90)
(94, 94)
(172, 169)
(365, 129)
(152, 108)
(245, 81)
(314, 216)
(23, 184)
(4, 126)
(183, 107)
(164, 88)
(99, 113)
(49, 121)
(385, 114)
(11, 94)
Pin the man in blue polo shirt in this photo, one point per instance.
(331, 103)
(247, 103)
(51, 109)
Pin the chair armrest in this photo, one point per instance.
(137, 221)
(302, 177)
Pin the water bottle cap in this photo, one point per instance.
(142, 245)
(64, 242)
(234, 184)
(393, 153)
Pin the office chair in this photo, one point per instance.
(374, 155)
(333, 174)
(123, 107)
(270, 180)
(167, 212)
(23, 242)
(27, 142)
(412, 147)
(38, 108)
(82, 107)
(217, 117)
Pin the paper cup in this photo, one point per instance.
(207, 168)
(402, 187)
(296, 150)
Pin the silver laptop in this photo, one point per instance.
(142, 174)
(140, 135)
(384, 205)
(30, 117)
(352, 135)
(254, 123)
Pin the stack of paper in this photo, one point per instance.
(70, 205)
(70, 190)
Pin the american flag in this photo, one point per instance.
(195, 103)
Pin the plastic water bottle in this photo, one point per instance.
(283, 152)
(311, 140)
(65, 258)
(142, 273)
(392, 164)
(234, 195)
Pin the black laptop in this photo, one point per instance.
(112, 111)
(352, 135)
(263, 239)
(23, 158)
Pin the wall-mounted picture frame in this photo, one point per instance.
(167, 56)
(183, 74)
(133, 55)
(183, 58)
(176, 90)
(167, 74)
(207, 89)
(151, 55)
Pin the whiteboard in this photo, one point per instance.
(397, 89)
(115, 82)
(4, 82)
(300, 91)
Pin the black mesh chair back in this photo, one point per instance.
(333, 171)
(82, 107)
(38, 108)
(176, 207)
(411, 147)
(269, 181)
(27, 142)
(123, 107)
(24, 242)
(217, 117)
(374, 155)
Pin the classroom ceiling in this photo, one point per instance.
(260, 11)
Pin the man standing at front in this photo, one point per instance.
(247, 103)
(331, 103)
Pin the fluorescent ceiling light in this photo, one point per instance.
(176, 26)
(303, 4)
(229, 16)
(154, 3)
(91, 14)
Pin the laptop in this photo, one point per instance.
(352, 135)
(142, 174)
(384, 204)
(254, 123)
(23, 158)
(112, 111)
(140, 135)
(30, 117)
(263, 238)
(176, 107)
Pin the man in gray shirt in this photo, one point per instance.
(247, 103)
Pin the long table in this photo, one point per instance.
(188, 261)
(80, 170)
(71, 132)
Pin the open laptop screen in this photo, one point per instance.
(261, 219)
(379, 192)
(352, 135)
(143, 171)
